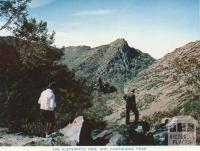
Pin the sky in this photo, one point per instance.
(156, 27)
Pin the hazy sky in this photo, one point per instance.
(153, 26)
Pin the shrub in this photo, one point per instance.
(148, 98)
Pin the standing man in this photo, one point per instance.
(47, 106)
(129, 97)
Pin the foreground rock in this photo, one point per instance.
(18, 139)
(81, 133)
(72, 131)
(66, 136)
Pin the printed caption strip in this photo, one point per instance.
(111, 148)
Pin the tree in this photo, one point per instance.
(35, 43)
(12, 12)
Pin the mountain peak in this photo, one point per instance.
(119, 41)
(115, 62)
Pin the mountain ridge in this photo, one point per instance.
(112, 62)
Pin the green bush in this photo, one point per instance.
(148, 98)
(144, 104)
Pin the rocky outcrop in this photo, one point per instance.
(72, 131)
(66, 136)
(105, 87)
(113, 135)
(18, 139)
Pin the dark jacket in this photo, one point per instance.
(130, 99)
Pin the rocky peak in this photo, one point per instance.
(123, 61)
(119, 46)
(119, 42)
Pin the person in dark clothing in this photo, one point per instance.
(131, 106)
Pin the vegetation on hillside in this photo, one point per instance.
(188, 70)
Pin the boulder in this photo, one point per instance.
(136, 134)
(102, 138)
(114, 139)
(105, 87)
(72, 131)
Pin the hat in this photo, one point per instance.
(130, 88)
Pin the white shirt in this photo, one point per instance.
(47, 100)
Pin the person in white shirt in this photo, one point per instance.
(47, 106)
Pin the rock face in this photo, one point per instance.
(17, 139)
(114, 139)
(72, 131)
(114, 63)
(70, 135)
